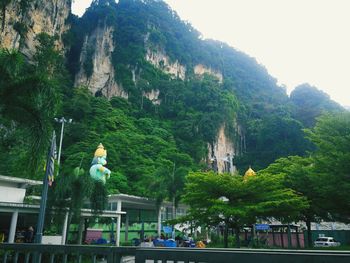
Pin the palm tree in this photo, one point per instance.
(30, 94)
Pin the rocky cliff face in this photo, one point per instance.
(97, 51)
(160, 60)
(222, 152)
(201, 69)
(22, 21)
(153, 96)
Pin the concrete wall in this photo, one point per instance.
(11, 194)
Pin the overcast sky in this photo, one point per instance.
(297, 41)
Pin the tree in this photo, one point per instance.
(169, 179)
(299, 174)
(323, 177)
(215, 198)
(331, 135)
(271, 138)
(310, 103)
(30, 94)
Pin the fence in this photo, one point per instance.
(15, 253)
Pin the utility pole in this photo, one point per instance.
(62, 121)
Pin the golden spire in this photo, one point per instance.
(100, 151)
(249, 173)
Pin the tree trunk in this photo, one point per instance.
(86, 225)
(174, 217)
(253, 236)
(289, 236)
(226, 235)
(80, 231)
(238, 240)
(309, 235)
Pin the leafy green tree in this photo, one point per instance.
(169, 179)
(271, 138)
(310, 103)
(300, 175)
(238, 201)
(331, 135)
(30, 94)
(323, 177)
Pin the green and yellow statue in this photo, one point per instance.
(97, 171)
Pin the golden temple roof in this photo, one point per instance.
(250, 172)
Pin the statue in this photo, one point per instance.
(97, 171)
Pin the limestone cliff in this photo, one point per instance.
(97, 51)
(21, 21)
(153, 96)
(159, 59)
(201, 69)
(221, 153)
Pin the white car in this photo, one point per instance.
(326, 242)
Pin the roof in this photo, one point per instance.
(132, 201)
(29, 208)
(249, 173)
(17, 180)
(138, 202)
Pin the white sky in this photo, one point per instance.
(296, 40)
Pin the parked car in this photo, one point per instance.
(326, 242)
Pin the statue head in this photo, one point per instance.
(97, 170)
(100, 151)
(100, 155)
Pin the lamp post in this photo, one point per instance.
(62, 121)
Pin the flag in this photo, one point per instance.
(50, 166)
(48, 179)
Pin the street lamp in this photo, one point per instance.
(62, 121)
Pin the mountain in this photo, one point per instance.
(144, 83)
(310, 102)
(138, 49)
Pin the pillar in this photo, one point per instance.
(13, 227)
(64, 229)
(119, 209)
(159, 223)
(126, 227)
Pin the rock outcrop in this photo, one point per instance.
(153, 96)
(221, 153)
(22, 21)
(201, 70)
(160, 60)
(97, 51)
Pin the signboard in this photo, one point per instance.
(262, 227)
(167, 229)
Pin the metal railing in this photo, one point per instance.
(34, 253)
(187, 255)
(28, 253)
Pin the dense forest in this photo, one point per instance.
(149, 144)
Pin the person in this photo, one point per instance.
(200, 244)
(29, 235)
